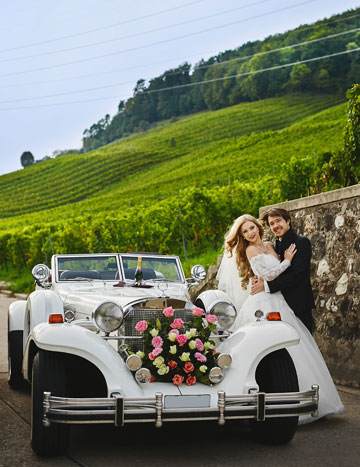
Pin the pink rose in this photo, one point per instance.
(157, 351)
(196, 311)
(200, 357)
(157, 342)
(211, 319)
(199, 345)
(181, 339)
(141, 326)
(177, 323)
(190, 380)
(177, 380)
(151, 356)
(168, 312)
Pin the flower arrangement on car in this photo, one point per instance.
(181, 352)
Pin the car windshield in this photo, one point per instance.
(153, 268)
(88, 268)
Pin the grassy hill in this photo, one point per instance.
(127, 196)
(243, 142)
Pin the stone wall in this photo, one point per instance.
(332, 223)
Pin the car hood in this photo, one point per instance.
(83, 299)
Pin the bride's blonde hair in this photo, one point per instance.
(235, 240)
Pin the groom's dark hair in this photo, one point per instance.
(275, 212)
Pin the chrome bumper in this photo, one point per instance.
(120, 411)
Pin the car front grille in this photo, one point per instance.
(147, 314)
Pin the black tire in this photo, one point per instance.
(15, 356)
(48, 374)
(276, 373)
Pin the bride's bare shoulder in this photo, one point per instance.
(251, 251)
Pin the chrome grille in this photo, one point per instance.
(139, 314)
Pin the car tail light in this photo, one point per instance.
(56, 318)
(275, 316)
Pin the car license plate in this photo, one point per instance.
(187, 402)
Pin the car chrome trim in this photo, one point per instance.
(119, 338)
(121, 410)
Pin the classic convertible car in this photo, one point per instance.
(99, 346)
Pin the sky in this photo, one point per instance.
(65, 64)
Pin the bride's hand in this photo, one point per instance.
(290, 252)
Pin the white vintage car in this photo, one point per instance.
(77, 340)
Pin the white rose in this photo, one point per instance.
(172, 336)
(158, 361)
(208, 345)
(185, 356)
(192, 345)
(154, 332)
(163, 370)
(173, 349)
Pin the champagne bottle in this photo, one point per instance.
(139, 271)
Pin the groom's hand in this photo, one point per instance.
(257, 285)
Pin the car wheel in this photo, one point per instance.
(15, 356)
(48, 374)
(276, 373)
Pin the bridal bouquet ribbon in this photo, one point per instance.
(177, 351)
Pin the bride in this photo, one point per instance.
(247, 256)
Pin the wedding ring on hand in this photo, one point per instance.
(291, 251)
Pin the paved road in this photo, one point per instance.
(333, 442)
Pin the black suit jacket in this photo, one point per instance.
(294, 283)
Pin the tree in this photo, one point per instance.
(300, 78)
(149, 104)
(322, 80)
(27, 159)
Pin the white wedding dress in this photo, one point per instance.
(309, 363)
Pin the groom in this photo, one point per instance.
(294, 283)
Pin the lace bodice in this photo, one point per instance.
(267, 267)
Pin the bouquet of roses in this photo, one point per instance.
(177, 351)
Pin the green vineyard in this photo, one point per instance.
(191, 176)
(170, 158)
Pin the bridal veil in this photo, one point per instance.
(230, 281)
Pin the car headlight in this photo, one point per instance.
(225, 313)
(40, 272)
(108, 316)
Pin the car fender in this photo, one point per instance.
(41, 304)
(16, 316)
(76, 340)
(209, 297)
(249, 345)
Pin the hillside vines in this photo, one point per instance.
(164, 160)
(317, 153)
